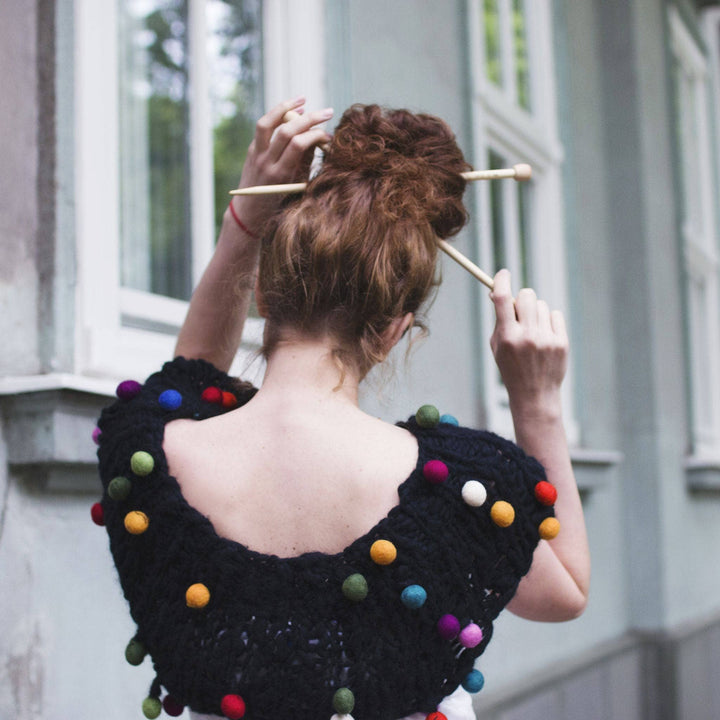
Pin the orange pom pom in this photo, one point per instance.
(549, 528)
(502, 513)
(383, 552)
(197, 596)
(136, 522)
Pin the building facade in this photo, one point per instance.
(124, 123)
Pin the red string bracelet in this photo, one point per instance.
(240, 223)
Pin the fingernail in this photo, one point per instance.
(327, 112)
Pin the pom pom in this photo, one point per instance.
(549, 528)
(96, 433)
(413, 596)
(474, 493)
(97, 514)
(427, 416)
(119, 488)
(471, 635)
(197, 596)
(135, 652)
(212, 395)
(151, 707)
(355, 587)
(448, 419)
(172, 707)
(545, 493)
(448, 626)
(473, 681)
(437, 715)
(170, 400)
(142, 463)
(136, 522)
(502, 513)
(343, 701)
(233, 707)
(383, 552)
(435, 471)
(128, 389)
(229, 401)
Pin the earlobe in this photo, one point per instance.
(397, 328)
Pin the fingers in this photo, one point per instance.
(266, 125)
(295, 137)
(502, 298)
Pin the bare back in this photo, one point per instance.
(291, 481)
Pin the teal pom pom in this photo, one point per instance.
(448, 419)
(427, 416)
(414, 596)
(474, 681)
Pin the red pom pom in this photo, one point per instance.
(212, 394)
(545, 493)
(172, 707)
(97, 514)
(233, 707)
(229, 401)
(437, 715)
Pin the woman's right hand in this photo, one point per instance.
(281, 152)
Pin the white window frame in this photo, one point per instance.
(700, 233)
(500, 125)
(121, 331)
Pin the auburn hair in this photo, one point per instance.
(359, 247)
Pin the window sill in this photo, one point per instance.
(593, 467)
(702, 473)
(48, 423)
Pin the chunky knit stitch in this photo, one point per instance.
(286, 634)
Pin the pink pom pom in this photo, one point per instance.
(471, 635)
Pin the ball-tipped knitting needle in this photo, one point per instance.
(518, 172)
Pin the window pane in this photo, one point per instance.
(497, 213)
(154, 124)
(493, 62)
(522, 69)
(235, 63)
(524, 191)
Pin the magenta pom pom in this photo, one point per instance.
(448, 626)
(435, 471)
(128, 389)
(96, 435)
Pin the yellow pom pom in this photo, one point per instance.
(136, 522)
(383, 552)
(549, 528)
(197, 596)
(502, 513)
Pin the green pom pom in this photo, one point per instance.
(427, 416)
(135, 652)
(119, 488)
(142, 463)
(151, 707)
(355, 587)
(344, 701)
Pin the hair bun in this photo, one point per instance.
(410, 162)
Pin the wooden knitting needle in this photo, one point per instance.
(518, 172)
(470, 266)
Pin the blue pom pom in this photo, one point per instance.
(170, 400)
(449, 419)
(474, 681)
(414, 596)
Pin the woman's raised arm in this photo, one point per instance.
(280, 152)
(530, 346)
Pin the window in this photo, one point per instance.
(166, 97)
(518, 224)
(698, 227)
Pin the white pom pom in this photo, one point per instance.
(474, 493)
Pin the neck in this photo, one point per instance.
(304, 369)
